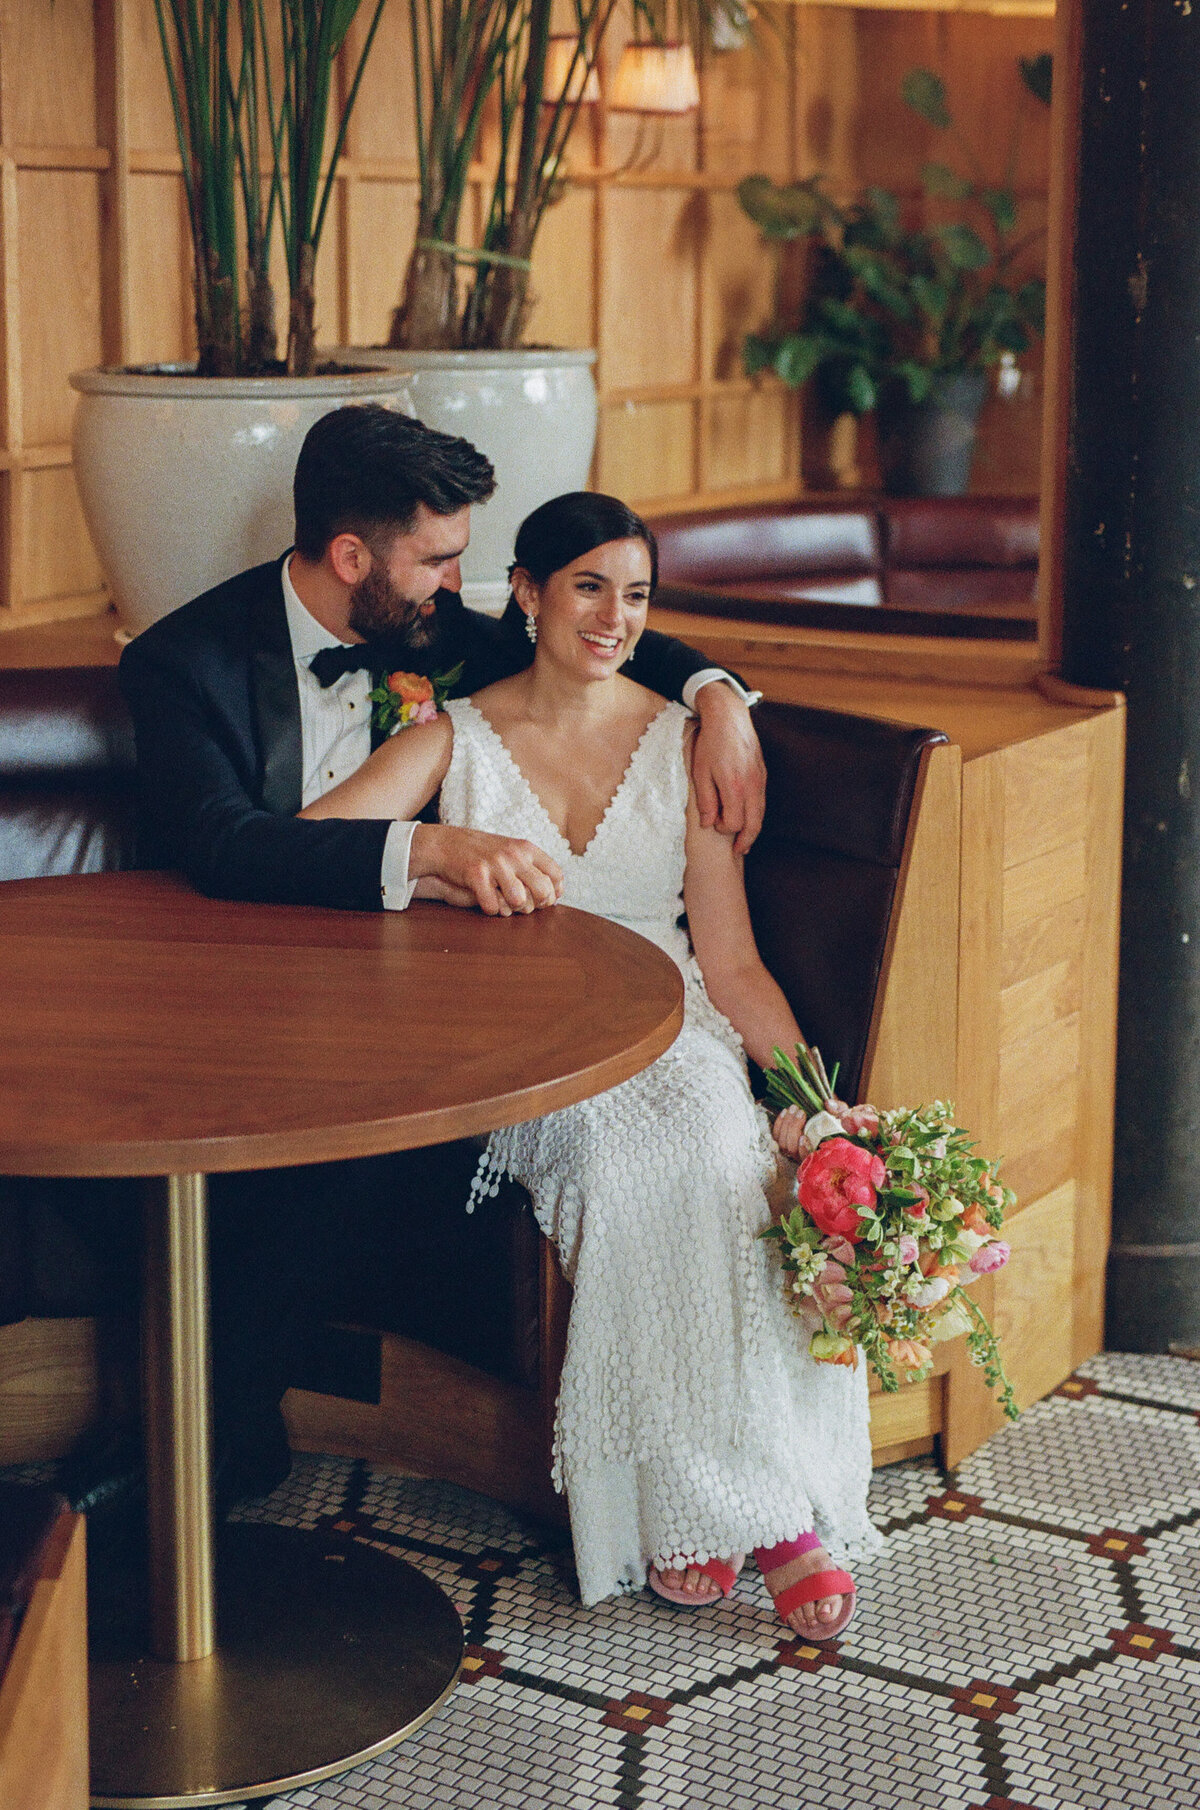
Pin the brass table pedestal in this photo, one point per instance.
(238, 1661)
(329, 1652)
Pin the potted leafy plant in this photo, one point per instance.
(529, 70)
(184, 471)
(907, 318)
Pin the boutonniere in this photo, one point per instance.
(403, 698)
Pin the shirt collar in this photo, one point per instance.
(307, 635)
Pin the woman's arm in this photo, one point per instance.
(500, 874)
(398, 780)
(714, 895)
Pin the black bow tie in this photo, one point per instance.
(328, 666)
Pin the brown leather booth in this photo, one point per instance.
(953, 566)
(824, 881)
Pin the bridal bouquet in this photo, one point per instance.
(894, 1216)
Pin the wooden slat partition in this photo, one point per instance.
(657, 267)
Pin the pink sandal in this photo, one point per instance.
(808, 1589)
(723, 1575)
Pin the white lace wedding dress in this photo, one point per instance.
(691, 1421)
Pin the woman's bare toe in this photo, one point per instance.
(807, 1618)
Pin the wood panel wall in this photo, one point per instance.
(656, 267)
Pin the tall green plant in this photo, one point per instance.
(466, 52)
(207, 100)
(313, 33)
(894, 303)
(248, 78)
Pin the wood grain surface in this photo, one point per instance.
(147, 1030)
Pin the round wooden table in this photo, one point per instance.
(151, 1032)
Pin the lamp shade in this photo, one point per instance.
(561, 81)
(655, 78)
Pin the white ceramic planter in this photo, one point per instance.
(187, 480)
(532, 412)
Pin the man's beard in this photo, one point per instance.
(377, 610)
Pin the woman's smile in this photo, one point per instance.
(602, 643)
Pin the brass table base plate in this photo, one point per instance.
(328, 1652)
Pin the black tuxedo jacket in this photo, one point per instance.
(216, 710)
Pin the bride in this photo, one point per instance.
(692, 1425)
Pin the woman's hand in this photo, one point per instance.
(728, 773)
(788, 1131)
(499, 874)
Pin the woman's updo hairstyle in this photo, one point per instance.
(568, 526)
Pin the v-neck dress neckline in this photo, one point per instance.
(624, 785)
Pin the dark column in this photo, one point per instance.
(1131, 576)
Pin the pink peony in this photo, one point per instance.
(910, 1250)
(834, 1181)
(426, 712)
(991, 1257)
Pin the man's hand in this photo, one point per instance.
(500, 874)
(727, 766)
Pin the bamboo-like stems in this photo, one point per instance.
(218, 60)
(507, 44)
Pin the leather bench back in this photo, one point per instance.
(922, 532)
(822, 879)
(66, 772)
(766, 540)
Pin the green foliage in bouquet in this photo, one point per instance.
(890, 302)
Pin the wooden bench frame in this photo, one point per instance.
(44, 1689)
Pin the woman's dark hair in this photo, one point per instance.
(365, 468)
(569, 526)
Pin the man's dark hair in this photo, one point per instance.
(364, 469)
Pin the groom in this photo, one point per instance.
(250, 702)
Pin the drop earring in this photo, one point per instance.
(531, 628)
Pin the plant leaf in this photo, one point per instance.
(925, 93)
(919, 379)
(797, 357)
(758, 353)
(792, 212)
(963, 247)
(1037, 75)
(886, 209)
(1031, 300)
(860, 390)
(939, 179)
(931, 297)
(1001, 204)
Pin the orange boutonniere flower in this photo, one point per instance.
(411, 687)
(401, 699)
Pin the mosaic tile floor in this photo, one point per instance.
(1029, 1639)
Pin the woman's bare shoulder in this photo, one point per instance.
(500, 696)
(638, 700)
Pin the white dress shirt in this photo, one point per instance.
(335, 732)
(335, 737)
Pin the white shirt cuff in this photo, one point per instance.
(395, 887)
(709, 676)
